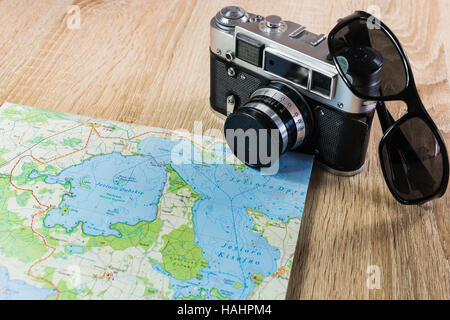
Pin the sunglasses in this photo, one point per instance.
(374, 66)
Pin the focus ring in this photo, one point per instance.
(283, 114)
(275, 118)
(290, 106)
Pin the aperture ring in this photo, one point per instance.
(275, 118)
(290, 106)
(284, 115)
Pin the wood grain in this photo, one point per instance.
(146, 61)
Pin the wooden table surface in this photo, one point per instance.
(146, 61)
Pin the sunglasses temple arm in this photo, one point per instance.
(385, 117)
(387, 121)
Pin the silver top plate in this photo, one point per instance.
(296, 42)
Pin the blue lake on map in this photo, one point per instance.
(221, 222)
(72, 249)
(106, 190)
(19, 290)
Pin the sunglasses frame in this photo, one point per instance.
(409, 95)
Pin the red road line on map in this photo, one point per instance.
(43, 211)
(43, 259)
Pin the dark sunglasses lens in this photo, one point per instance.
(369, 59)
(413, 160)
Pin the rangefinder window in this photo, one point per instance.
(286, 69)
(249, 50)
(321, 84)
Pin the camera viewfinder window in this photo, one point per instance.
(321, 84)
(286, 69)
(249, 50)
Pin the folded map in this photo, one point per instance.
(97, 209)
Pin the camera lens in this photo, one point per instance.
(275, 120)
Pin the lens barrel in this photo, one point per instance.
(275, 120)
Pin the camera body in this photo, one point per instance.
(276, 71)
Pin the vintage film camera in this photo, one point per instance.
(271, 74)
